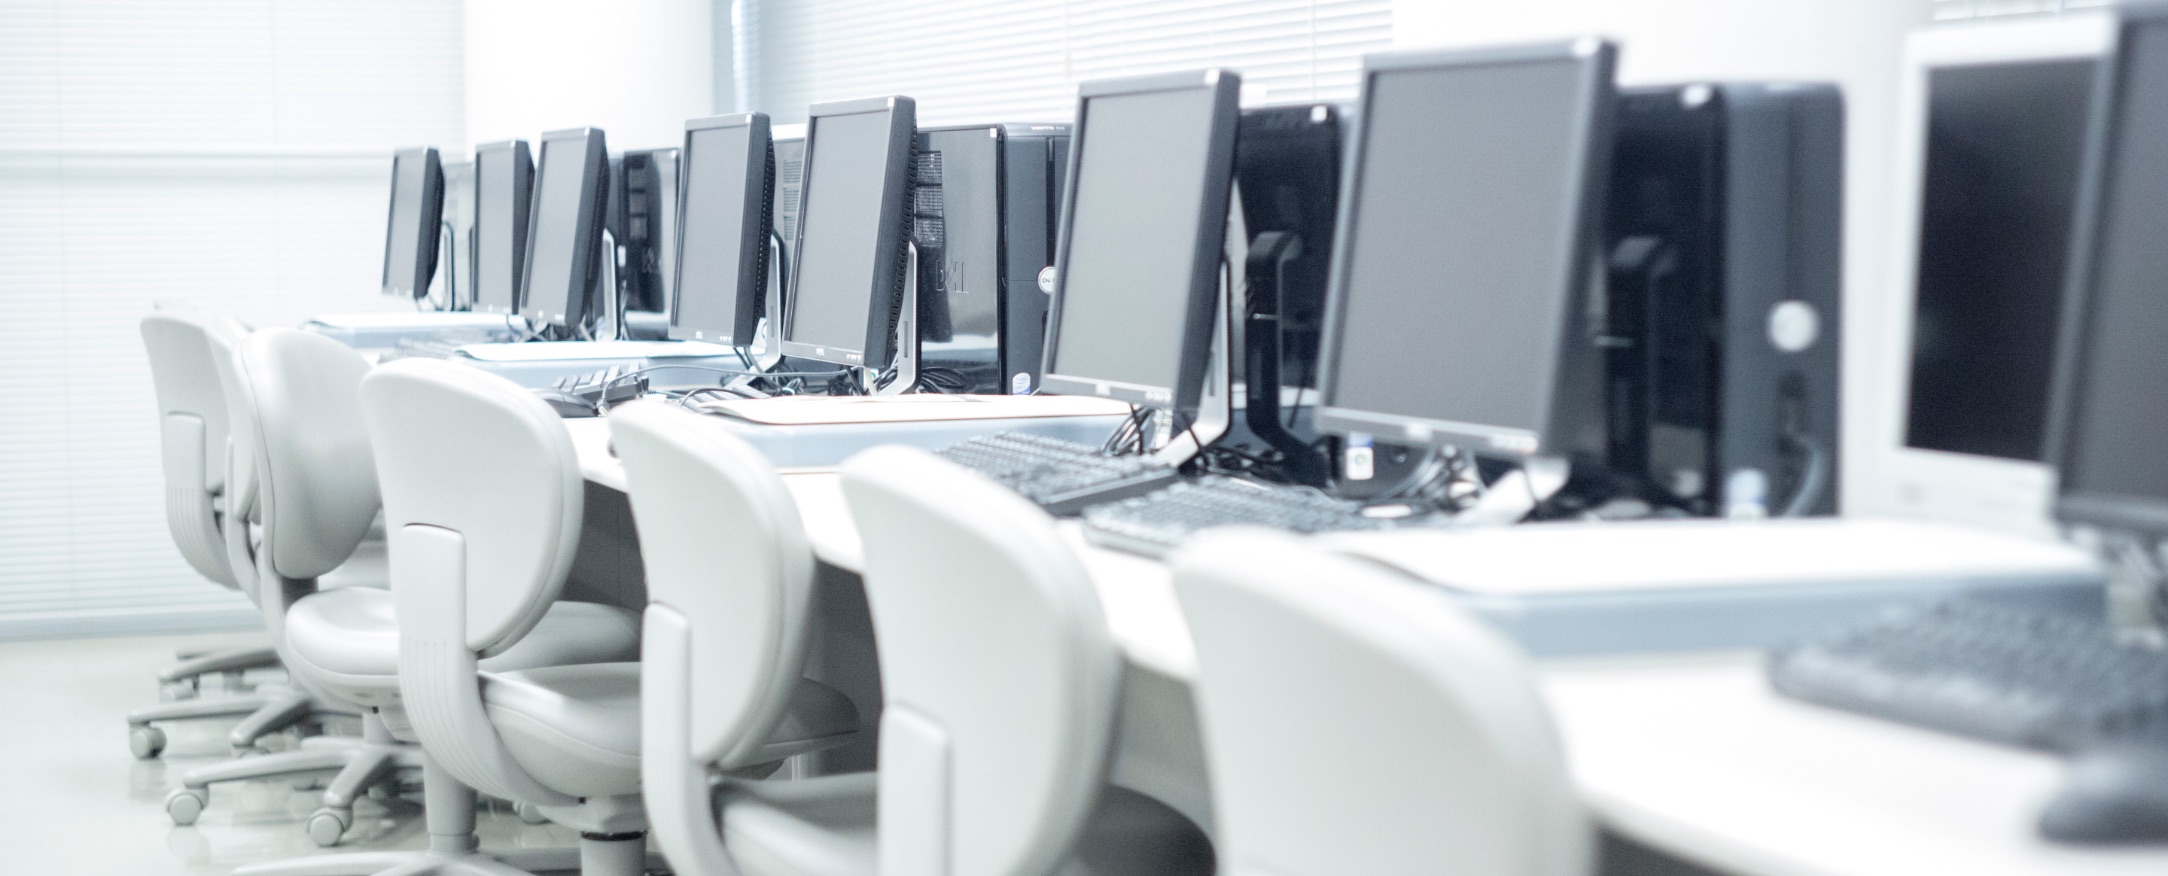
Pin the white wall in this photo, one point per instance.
(636, 69)
(1856, 43)
(235, 154)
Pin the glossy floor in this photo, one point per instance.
(73, 801)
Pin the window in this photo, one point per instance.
(232, 153)
(1966, 10)
(1020, 60)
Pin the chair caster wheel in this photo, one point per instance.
(180, 690)
(326, 826)
(185, 805)
(146, 742)
(235, 682)
(529, 813)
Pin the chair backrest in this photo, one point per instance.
(1000, 678)
(192, 426)
(1358, 722)
(724, 547)
(315, 475)
(238, 459)
(476, 454)
(186, 381)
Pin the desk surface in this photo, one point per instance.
(1136, 593)
(1693, 754)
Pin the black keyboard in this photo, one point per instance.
(440, 345)
(1159, 522)
(2025, 676)
(609, 386)
(1063, 477)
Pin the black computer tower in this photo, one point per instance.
(455, 266)
(983, 217)
(643, 216)
(1723, 310)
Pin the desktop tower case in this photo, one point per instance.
(983, 217)
(789, 158)
(643, 216)
(1722, 310)
(455, 264)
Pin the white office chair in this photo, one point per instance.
(315, 482)
(193, 438)
(483, 500)
(1357, 722)
(1001, 684)
(729, 585)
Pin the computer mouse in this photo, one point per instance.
(2115, 794)
(567, 405)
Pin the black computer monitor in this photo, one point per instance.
(564, 240)
(722, 228)
(848, 270)
(1998, 192)
(2111, 390)
(503, 181)
(1464, 249)
(1137, 258)
(1287, 178)
(410, 235)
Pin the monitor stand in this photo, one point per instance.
(1215, 399)
(905, 374)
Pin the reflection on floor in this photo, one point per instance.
(72, 800)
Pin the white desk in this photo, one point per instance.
(1693, 755)
(1696, 755)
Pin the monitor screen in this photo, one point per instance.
(1139, 275)
(850, 234)
(410, 238)
(720, 265)
(2110, 413)
(503, 172)
(1464, 240)
(565, 227)
(1999, 187)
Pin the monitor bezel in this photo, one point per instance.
(586, 230)
(754, 222)
(2003, 494)
(880, 343)
(1225, 87)
(1593, 110)
(2072, 353)
(522, 158)
(425, 249)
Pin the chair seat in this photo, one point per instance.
(576, 729)
(811, 827)
(348, 638)
(826, 827)
(819, 717)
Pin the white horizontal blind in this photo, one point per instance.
(231, 153)
(1020, 60)
(1964, 10)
